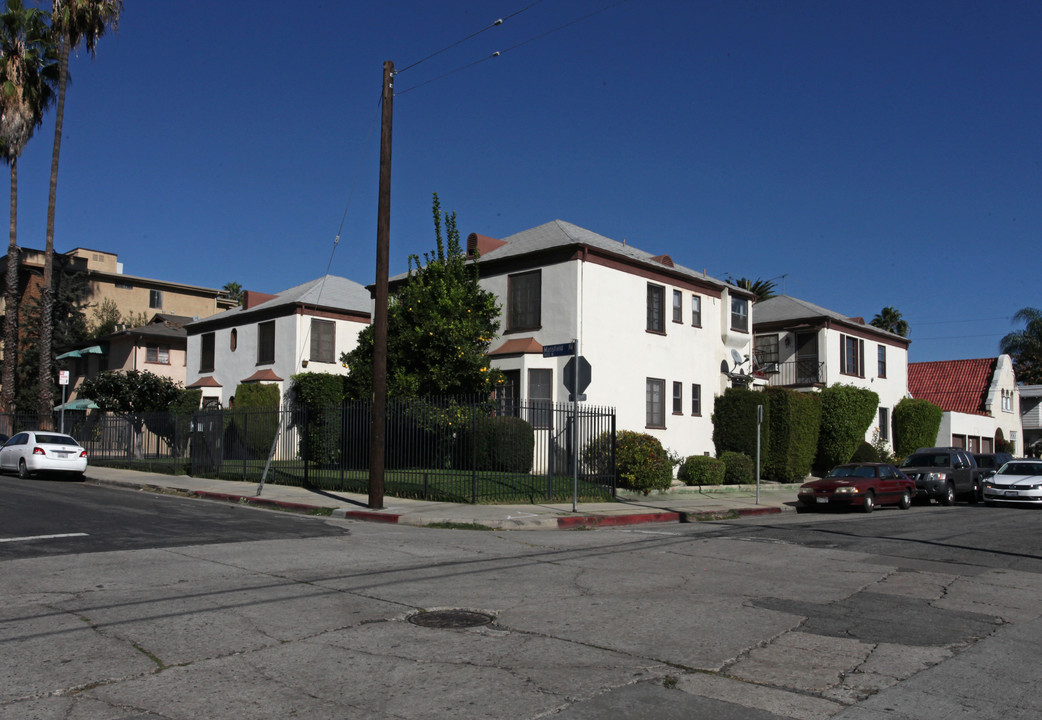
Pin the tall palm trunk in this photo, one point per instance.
(46, 406)
(11, 302)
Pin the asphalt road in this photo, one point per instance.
(225, 612)
(54, 516)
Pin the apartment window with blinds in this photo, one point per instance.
(655, 403)
(696, 310)
(323, 341)
(656, 299)
(696, 399)
(524, 301)
(678, 398)
(266, 343)
(157, 354)
(740, 314)
(678, 306)
(881, 361)
(155, 299)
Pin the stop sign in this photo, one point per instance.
(584, 375)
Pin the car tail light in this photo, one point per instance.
(83, 454)
(38, 451)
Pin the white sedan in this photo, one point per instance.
(38, 451)
(1016, 481)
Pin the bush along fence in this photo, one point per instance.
(447, 449)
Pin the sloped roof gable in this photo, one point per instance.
(953, 385)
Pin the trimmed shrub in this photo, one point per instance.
(734, 422)
(865, 452)
(701, 470)
(916, 423)
(254, 420)
(739, 469)
(503, 444)
(320, 396)
(846, 414)
(795, 422)
(642, 462)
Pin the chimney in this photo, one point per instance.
(252, 298)
(478, 245)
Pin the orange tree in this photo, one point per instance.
(440, 324)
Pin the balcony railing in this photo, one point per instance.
(796, 373)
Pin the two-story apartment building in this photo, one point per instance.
(804, 346)
(657, 334)
(270, 338)
(979, 397)
(1031, 418)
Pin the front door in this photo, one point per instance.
(807, 364)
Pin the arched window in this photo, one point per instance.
(234, 342)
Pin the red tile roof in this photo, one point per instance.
(954, 385)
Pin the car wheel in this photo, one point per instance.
(23, 471)
(869, 503)
(906, 500)
(949, 495)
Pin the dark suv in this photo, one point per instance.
(989, 463)
(943, 473)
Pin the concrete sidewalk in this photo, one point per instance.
(682, 504)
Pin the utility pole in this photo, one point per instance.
(378, 432)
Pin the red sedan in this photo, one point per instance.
(861, 485)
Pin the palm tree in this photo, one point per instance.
(72, 22)
(27, 81)
(762, 289)
(1025, 346)
(890, 319)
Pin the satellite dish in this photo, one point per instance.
(737, 357)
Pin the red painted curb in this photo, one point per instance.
(759, 511)
(371, 516)
(227, 497)
(616, 520)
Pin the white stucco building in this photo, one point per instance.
(270, 338)
(979, 397)
(655, 333)
(804, 346)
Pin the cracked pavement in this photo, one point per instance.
(692, 622)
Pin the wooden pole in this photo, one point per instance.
(377, 437)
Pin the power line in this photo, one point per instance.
(497, 23)
(950, 322)
(512, 47)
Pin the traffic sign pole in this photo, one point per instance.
(575, 428)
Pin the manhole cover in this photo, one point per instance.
(450, 619)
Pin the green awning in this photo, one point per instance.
(92, 350)
(78, 404)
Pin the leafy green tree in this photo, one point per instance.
(72, 22)
(1025, 346)
(107, 318)
(132, 394)
(916, 423)
(763, 289)
(846, 414)
(890, 319)
(27, 80)
(440, 324)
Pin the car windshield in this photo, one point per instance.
(845, 471)
(1021, 468)
(985, 461)
(55, 439)
(926, 460)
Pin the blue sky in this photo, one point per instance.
(872, 153)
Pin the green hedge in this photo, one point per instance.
(865, 452)
(504, 444)
(734, 422)
(846, 414)
(246, 422)
(795, 423)
(916, 423)
(701, 470)
(320, 395)
(739, 469)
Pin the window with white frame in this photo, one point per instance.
(696, 310)
(851, 356)
(540, 396)
(765, 351)
(696, 399)
(157, 354)
(655, 403)
(740, 314)
(678, 306)
(678, 398)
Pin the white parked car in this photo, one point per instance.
(39, 451)
(1016, 481)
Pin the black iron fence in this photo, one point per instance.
(450, 449)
